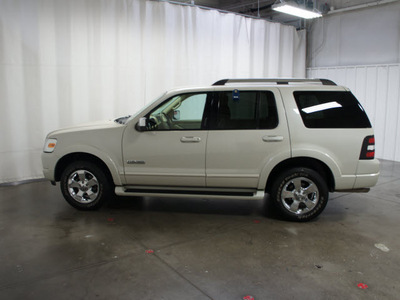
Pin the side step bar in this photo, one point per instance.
(187, 193)
(360, 190)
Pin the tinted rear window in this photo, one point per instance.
(325, 109)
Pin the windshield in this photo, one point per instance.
(126, 119)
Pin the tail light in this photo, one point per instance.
(368, 148)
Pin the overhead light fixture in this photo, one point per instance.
(294, 9)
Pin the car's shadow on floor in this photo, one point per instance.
(261, 208)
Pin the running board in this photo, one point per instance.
(360, 190)
(190, 193)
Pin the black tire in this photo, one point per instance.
(85, 186)
(300, 194)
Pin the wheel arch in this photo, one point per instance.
(81, 156)
(302, 162)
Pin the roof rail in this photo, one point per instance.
(274, 80)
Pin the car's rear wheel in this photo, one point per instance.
(84, 185)
(301, 194)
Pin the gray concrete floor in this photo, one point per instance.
(203, 249)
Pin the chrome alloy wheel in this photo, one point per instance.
(299, 195)
(83, 186)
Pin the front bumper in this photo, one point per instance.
(48, 163)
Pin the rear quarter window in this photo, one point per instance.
(330, 109)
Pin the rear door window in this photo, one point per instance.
(245, 110)
(331, 109)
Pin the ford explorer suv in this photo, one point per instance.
(294, 139)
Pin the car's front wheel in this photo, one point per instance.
(84, 185)
(301, 194)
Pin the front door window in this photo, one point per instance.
(182, 112)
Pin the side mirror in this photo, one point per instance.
(142, 124)
(177, 115)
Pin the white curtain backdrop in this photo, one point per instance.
(67, 62)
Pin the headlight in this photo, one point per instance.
(50, 145)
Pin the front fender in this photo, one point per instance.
(112, 161)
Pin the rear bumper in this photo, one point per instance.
(367, 173)
(366, 181)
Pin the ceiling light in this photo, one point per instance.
(292, 8)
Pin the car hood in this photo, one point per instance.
(86, 127)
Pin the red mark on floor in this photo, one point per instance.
(149, 251)
(248, 298)
(362, 286)
(110, 219)
(256, 222)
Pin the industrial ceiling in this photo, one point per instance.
(263, 8)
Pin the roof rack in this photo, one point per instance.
(275, 80)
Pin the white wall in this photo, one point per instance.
(67, 62)
(369, 36)
(361, 50)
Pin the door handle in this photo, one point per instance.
(190, 139)
(272, 138)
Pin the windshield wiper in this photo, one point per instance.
(122, 120)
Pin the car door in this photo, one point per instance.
(171, 151)
(248, 130)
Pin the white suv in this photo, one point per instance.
(296, 140)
